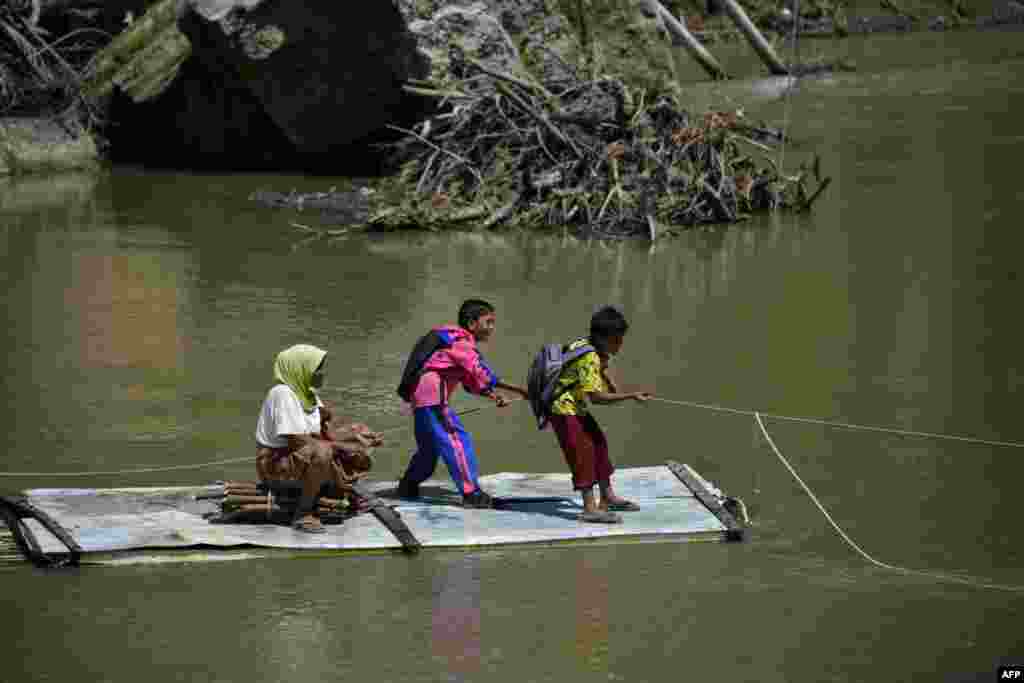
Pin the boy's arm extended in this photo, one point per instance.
(601, 389)
(603, 398)
(514, 388)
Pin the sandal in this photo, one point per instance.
(309, 526)
(478, 500)
(624, 506)
(600, 517)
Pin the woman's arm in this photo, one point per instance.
(336, 428)
(297, 441)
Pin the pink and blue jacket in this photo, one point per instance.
(458, 363)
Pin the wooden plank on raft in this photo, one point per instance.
(734, 530)
(389, 517)
(18, 531)
(28, 544)
(16, 509)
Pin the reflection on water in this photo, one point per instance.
(126, 310)
(592, 613)
(455, 622)
(66, 200)
(120, 345)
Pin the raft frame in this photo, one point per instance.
(17, 510)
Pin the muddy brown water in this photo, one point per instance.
(144, 308)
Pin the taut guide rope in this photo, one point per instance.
(841, 425)
(807, 489)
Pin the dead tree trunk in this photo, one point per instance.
(675, 28)
(754, 37)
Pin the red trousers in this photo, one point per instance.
(585, 449)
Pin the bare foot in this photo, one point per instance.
(309, 524)
(600, 517)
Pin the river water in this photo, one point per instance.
(144, 310)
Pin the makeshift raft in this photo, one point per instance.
(55, 527)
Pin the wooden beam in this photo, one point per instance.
(676, 28)
(734, 531)
(754, 37)
(389, 518)
(15, 509)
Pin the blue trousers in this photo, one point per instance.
(440, 434)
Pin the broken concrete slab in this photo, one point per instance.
(326, 73)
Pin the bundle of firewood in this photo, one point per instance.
(275, 502)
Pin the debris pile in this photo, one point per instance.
(42, 70)
(595, 158)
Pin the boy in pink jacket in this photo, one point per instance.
(439, 432)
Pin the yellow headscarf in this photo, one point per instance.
(295, 367)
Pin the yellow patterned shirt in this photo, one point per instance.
(581, 376)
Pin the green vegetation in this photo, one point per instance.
(22, 151)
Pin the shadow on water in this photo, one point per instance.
(445, 498)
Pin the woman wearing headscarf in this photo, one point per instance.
(298, 438)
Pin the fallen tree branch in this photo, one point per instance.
(817, 193)
(529, 87)
(430, 92)
(540, 118)
(439, 149)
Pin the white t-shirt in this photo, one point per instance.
(282, 414)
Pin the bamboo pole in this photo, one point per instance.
(676, 28)
(245, 500)
(754, 37)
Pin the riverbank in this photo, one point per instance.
(523, 145)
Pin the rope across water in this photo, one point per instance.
(842, 425)
(967, 581)
(932, 575)
(398, 428)
(177, 468)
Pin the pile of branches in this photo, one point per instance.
(593, 158)
(41, 73)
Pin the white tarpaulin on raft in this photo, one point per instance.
(541, 509)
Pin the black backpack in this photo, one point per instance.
(542, 378)
(418, 357)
